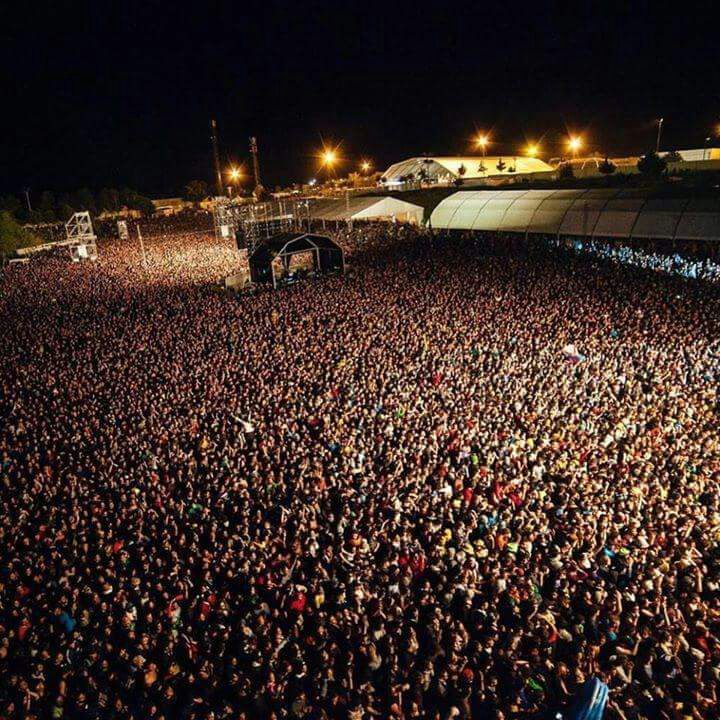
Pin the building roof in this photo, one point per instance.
(601, 212)
(168, 202)
(447, 168)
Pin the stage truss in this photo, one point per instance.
(251, 223)
(80, 239)
(79, 229)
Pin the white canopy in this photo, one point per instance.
(445, 169)
(366, 208)
(599, 212)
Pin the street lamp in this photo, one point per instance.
(329, 158)
(234, 174)
(532, 150)
(657, 142)
(707, 140)
(365, 166)
(482, 141)
(574, 143)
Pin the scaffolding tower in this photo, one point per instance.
(79, 229)
(249, 224)
(81, 237)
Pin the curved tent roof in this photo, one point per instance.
(291, 242)
(600, 212)
(447, 168)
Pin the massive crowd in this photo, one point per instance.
(447, 485)
(671, 263)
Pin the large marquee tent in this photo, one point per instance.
(604, 212)
(465, 167)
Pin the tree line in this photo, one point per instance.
(49, 207)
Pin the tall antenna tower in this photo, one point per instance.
(256, 167)
(216, 157)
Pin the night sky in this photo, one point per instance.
(113, 94)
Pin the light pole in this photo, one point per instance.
(707, 140)
(659, 133)
(328, 158)
(234, 174)
(481, 142)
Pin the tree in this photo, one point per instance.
(135, 201)
(566, 171)
(126, 197)
(46, 207)
(501, 165)
(652, 165)
(83, 200)
(10, 204)
(461, 170)
(607, 167)
(64, 211)
(197, 190)
(144, 204)
(108, 200)
(13, 235)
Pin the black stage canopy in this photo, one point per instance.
(272, 258)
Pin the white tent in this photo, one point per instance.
(366, 208)
(602, 212)
(467, 167)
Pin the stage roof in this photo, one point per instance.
(604, 212)
(291, 242)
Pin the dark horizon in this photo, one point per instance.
(124, 97)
